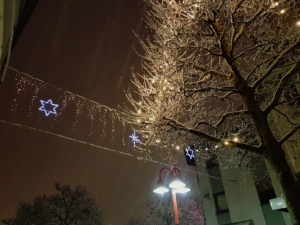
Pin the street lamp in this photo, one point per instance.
(176, 186)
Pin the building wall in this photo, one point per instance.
(242, 197)
(278, 192)
(206, 196)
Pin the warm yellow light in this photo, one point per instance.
(275, 4)
(138, 120)
(216, 146)
(164, 88)
(298, 23)
(206, 149)
(157, 140)
(177, 147)
(140, 102)
(139, 111)
(236, 139)
(282, 11)
(147, 126)
(226, 142)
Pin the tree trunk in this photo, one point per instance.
(274, 153)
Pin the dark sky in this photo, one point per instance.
(85, 47)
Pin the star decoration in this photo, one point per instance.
(48, 107)
(189, 152)
(134, 138)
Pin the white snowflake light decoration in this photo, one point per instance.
(134, 138)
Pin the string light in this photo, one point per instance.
(298, 23)
(236, 139)
(282, 11)
(275, 4)
(138, 120)
(226, 142)
(216, 146)
(139, 111)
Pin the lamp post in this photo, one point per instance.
(176, 185)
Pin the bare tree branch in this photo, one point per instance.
(289, 134)
(178, 126)
(280, 87)
(274, 64)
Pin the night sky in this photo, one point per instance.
(85, 47)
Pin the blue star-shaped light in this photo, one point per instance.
(134, 138)
(46, 105)
(189, 152)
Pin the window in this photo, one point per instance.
(221, 202)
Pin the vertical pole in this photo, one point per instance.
(175, 207)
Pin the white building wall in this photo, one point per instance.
(242, 198)
(206, 196)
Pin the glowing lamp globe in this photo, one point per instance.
(176, 184)
(182, 190)
(161, 190)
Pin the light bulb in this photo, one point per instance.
(282, 11)
(161, 190)
(182, 190)
(236, 139)
(177, 184)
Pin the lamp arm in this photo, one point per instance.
(175, 173)
(160, 173)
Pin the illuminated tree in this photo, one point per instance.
(65, 207)
(222, 72)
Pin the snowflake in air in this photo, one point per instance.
(48, 107)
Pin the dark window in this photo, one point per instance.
(221, 202)
(266, 195)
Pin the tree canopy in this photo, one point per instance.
(65, 207)
(218, 74)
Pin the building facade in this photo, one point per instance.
(231, 197)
